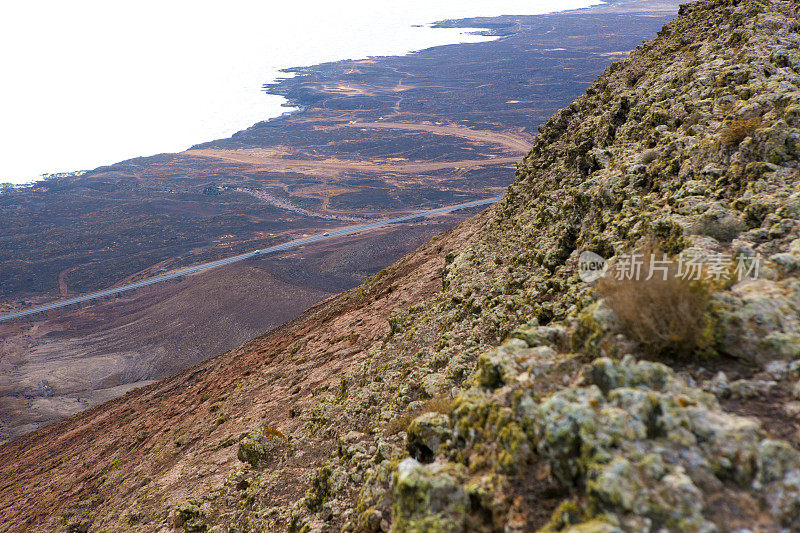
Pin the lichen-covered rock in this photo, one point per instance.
(650, 489)
(777, 370)
(608, 375)
(261, 447)
(497, 367)
(719, 385)
(251, 451)
(729, 443)
(563, 422)
(429, 498)
(793, 369)
(506, 363)
(776, 459)
(783, 497)
(751, 388)
(190, 518)
(554, 336)
(596, 325)
(779, 478)
(643, 447)
(787, 263)
(642, 442)
(425, 434)
(760, 321)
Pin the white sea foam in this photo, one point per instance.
(92, 82)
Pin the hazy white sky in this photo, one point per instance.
(91, 82)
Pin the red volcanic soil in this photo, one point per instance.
(161, 445)
(58, 364)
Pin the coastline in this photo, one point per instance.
(479, 26)
(262, 104)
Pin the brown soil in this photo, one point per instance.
(162, 445)
(256, 157)
(770, 411)
(93, 353)
(520, 142)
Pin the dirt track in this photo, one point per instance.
(264, 159)
(517, 143)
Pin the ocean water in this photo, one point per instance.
(92, 82)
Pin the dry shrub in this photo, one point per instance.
(398, 425)
(665, 315)
(739, 130)
(438, 404)
(270, 433)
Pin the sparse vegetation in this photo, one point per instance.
(667, 315)
(398, 425)
(437, 404)
(133, 518)
(734, 133)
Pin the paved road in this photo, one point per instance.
(227, 261)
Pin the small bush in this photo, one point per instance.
(739, 130)
(438, 404)
(665, 315)
(398, 425)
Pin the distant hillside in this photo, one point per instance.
(484, 382)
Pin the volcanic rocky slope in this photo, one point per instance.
(479, 384)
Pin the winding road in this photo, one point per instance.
(227, 261)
